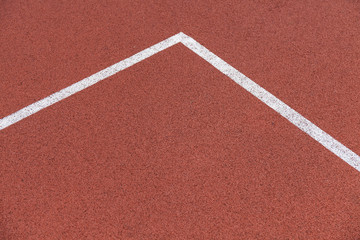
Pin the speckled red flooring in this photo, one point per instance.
(171, 148)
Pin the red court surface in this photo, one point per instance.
(171, 148)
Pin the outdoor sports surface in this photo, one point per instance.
(180, 119)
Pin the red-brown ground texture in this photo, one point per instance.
(171, 148)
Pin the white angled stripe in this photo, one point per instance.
(284, 110)
(279, 106)
(87, 82)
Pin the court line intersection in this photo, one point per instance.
(263, 95)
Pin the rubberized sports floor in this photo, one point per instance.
(175, 145)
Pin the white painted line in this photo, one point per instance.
(87, 82)
(287, 112)
(284, 110)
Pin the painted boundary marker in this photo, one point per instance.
(284, 110)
